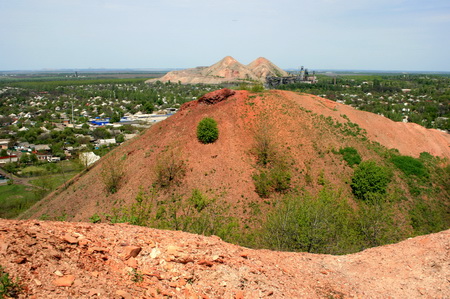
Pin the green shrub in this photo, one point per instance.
(350, 155)
(265, 147)
(276, 179)
(112, 173)
(198, 200)
(410, 166)
(263, 184)
(95, 218)
(207, 131)
(428, 216)
(257, 88)
(8, 288)
(280, 178)
(170, 169)
(319, 224)
(369, 179)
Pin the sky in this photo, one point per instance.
(408, 35)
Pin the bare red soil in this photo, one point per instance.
(81, 260)
(224, 168)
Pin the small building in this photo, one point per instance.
(106, 141)
(4, 143)
(53, 159)
(41, 147)
(100, 121)
(43, 156)
(89, 158)
(8, 159)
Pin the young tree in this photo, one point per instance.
(369, 179)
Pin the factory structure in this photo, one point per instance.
(302, 76)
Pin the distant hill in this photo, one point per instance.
(225, 71)
(263, 68)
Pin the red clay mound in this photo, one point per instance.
(224, 169)
(81, 260)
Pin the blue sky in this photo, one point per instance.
(320, 34)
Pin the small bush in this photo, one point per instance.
(263, 184)
(170, 169)
(8, 288)
(112, 173)
(410, 166)
(265, 148)
(277, 179)
(427, 216)
(318, 224)
(207, 131)
(350, 155)
(198, 200)
(95, 218)
(281, 179)
(369, 179)
(257, 88)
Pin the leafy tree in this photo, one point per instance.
(369, 179)
(101, 133)
(115, 118)
(3, 153)
(120, 138)
(148, 107)
(207, 131)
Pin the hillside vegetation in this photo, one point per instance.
(287, 172)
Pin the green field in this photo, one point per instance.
(15, 199)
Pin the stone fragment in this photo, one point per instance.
(124, 294)
(69, 239)
(132, 262)
(95, 292)
(83, 242)
(205, 263)
(65, 281)
(244, 254)
(20, 260)
(132, 251)
(97, 249)
(172, 250)
(58, 273)
(155, 253)
(239, 295)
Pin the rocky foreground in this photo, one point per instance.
(83, 260)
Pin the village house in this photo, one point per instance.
(8, 159)
(4, 143)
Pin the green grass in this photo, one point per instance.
(15, 199)
(51, 182)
